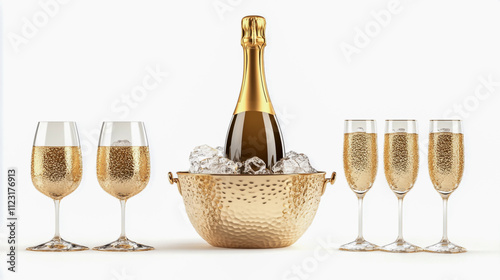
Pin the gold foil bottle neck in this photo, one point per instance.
(253, 31)
(253, 94)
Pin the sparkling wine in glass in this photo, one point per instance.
(446, 166)
(360, 167)
(123, 170)
(56, 171)
(401, 169)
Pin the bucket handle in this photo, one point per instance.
(330, 180)
(173, 180)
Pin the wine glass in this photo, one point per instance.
(123, 171)
(446, 166)
(56, 171)
(401, 169)
(360, 166)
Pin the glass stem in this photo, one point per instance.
(400, 219)
(360, 218)
(445, 220)
(122, 203)
(56, 204)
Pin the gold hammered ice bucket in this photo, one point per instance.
(251, 211)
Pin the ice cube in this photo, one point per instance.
(293, 163)
(226, 166)
(194, 168)
(202, 152)
(218, 165)
(255, 165)
(205, 159)
(208, 160)
(121, 143)
(221, 153)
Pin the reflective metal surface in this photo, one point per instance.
(251, 211)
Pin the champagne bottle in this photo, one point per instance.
(254, 128)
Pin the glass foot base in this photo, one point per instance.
(400, 246)
(359, 246)
(57, 244)
(445, 247)
(123, 244)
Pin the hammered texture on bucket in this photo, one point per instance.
(251, 211)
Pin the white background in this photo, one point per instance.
(81, 61)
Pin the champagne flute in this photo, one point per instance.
(56, 171)
(446, 166)
(360, 166)
(401, 169)
(123, 171)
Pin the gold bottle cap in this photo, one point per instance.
(253, 28)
